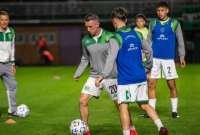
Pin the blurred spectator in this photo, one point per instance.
(46, 56)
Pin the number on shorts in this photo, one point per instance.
(169, 70)
(128, 95)
(113, 89)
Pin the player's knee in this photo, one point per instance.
(83, 101)
(12, 86)
(151, 86)
(172, 87)
(144, 106)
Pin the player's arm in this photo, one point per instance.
(149, 35)
(12, 54)
(149, 38)
(83, 64)
(146, 47)
(110, 61)
(147, 50)
(181, 45)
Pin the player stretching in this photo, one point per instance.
(164, 31)
(99, 50)
(7, 62)
(132, 81)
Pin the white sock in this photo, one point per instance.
(152, 102)
(126, 131)
(174, 104)
(87, 129)
(158, 123)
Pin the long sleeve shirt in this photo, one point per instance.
(7, 46)
(100, 53)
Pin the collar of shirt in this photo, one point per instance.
(6, 31)
(96, 37)
(124, 29)
(165, 21)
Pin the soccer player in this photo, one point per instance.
(164, 32)
(140, 22)
(99, 50)
(132, 80)
(7, 61)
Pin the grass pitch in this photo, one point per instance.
(53, 96)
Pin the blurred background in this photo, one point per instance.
(58, 25)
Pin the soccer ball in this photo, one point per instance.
(23, 110)
(77, 127)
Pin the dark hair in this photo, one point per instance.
(3, 12)
(91, 16)
(141, 16)
(162, 4)
(120, 13)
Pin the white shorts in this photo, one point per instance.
(163, 69)
(133, 93)
(110, 85)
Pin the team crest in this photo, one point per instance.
(162, 30)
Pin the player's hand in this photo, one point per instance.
(182, 62)
(98, 81)
(13, 70)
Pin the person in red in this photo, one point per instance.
(45, 54)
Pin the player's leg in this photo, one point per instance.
(123, 97)
(84, 109)
(11, 87)
(111, 87)
(89, 90)
(124, 118)
(152, 114)
(170, 74)
(132, 127)
(174, 98)
(152, 92)
(152, 81)
(126, 94)
(142, 99)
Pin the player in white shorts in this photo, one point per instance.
(131, 75)
(99, 50)
(164, 32)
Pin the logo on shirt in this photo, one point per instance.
(132, 47)
(129, 36)
(162, 37)
(162, 30)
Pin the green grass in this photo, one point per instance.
(54, 104)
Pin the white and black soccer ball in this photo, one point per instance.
(23, 110)
(77, 127)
